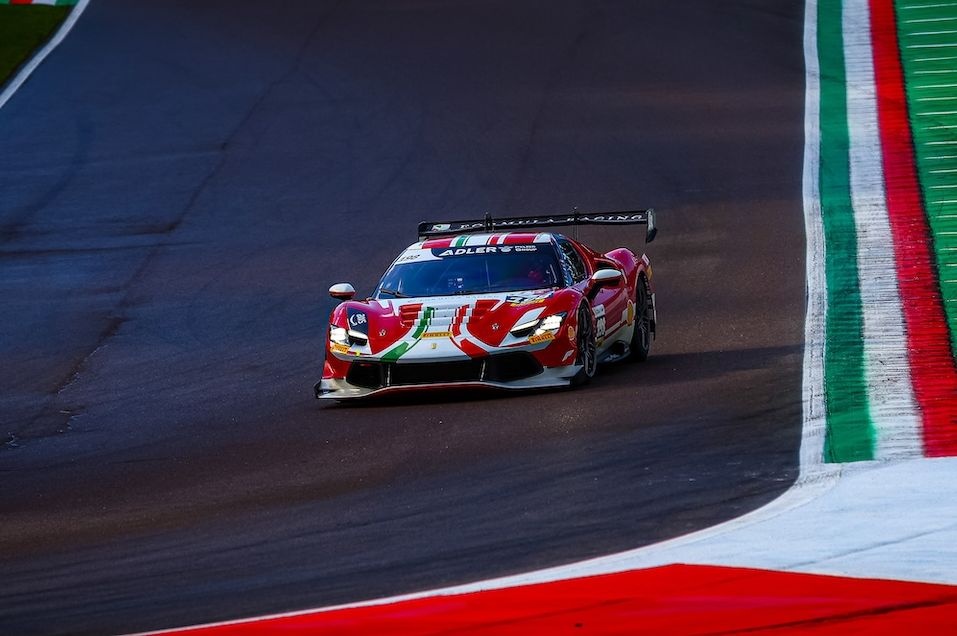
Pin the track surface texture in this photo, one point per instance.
(180, 183)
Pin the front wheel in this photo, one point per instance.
(641, 338)
(587, 347)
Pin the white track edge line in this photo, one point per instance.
(815, 477)
(27, 69)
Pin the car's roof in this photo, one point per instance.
(490, 238)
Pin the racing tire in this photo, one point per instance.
(641, 337)
(587, 346)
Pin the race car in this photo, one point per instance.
(488, 303)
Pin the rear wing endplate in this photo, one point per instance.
(431, 229)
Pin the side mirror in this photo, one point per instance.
(342, 291)
(606, 277)
(603, 278)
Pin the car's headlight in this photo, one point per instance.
(539, 326)
(340, 335)
(524, 329)
(551, 323)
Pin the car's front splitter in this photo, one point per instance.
(555, 377)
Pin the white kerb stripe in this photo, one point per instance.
(814, 429)
(886, 366)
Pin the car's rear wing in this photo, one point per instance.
(431, 229)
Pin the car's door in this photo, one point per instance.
(610, 304)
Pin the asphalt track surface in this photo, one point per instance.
(180, 183)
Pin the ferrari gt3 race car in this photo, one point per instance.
(488, 303)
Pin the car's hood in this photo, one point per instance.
(446, 326)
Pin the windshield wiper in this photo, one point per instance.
(393, 292)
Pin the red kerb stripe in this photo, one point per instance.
(676, 599)
(932, 364)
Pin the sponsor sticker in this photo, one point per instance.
(519, 301)
(442, 252)
(415, 256)
(358, 321)
(600, 323)
(545, 337)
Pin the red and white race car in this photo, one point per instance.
(487, 303)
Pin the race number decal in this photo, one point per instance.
(600, 323)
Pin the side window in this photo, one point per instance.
(574, 265)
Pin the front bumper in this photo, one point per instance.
(497, 371)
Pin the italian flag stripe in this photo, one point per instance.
(919, 195)
(890, 393)
(403, 347)
(850, 435)
(888, 198)
(424, 323)
(396, 352)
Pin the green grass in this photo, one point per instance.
(23, 29)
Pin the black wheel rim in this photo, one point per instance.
(644, 322)
(586, 343)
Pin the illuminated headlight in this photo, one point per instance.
(524, 329)
(552, 323)
(537, 327)
(340, 335)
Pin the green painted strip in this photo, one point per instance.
(400, 350)
(460, 241)
(424, 323)
(850, 432)
(396, 352)
(930, 77)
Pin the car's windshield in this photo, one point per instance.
(471, 270)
